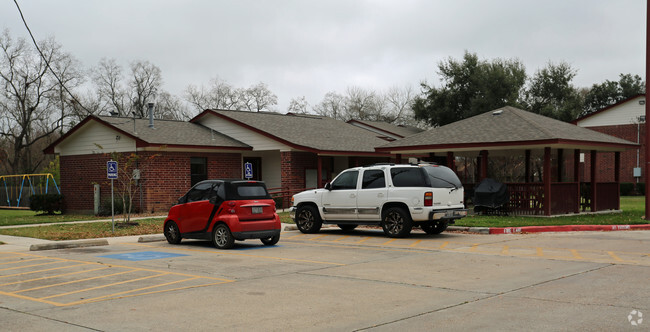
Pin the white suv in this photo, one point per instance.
(397, 197)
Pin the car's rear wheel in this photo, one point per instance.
(396, 222)
(271, 240)
(347, 227)
(434, 228)
(308, 220)
(222, 238)
(172, 233)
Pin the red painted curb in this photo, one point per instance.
(567, 228)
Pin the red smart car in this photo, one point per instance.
(224, 211)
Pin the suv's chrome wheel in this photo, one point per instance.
(396, 222)
(308, 220)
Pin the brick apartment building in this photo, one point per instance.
(625, 120)
(292, 152)
(289, 152)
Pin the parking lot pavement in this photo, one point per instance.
(334, 280)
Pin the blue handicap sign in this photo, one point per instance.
(111, 169)
(248, 170)
(143, 255)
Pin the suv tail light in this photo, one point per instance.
(428, 198)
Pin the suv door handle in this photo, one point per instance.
(353, 196)
(380, 195)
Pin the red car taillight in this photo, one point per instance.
(428, 198)
(232, 207)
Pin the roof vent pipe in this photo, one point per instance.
(150, 115)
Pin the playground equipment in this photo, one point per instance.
(15, 194)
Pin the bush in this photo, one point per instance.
(627, 189)
(105, 206)
(48, 203)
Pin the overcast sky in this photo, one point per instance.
(308, 48)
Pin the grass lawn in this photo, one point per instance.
(86, 230)
(24, 217)
(632, 207)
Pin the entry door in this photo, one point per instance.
(257, 167)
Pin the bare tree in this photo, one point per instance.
(145, 84)
(30, 99)
(221, 95)
(298, 105)
(262, 98)
(111, 92)
(218, 95)
(332, 105)
(170, 107)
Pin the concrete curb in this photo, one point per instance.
(567, 228)
(528, 229)
(478, 230)
(69, 244)
(152, 238)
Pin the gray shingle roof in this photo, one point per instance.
(512, 125)
(166, 132)
(400, 130)
(308, 131)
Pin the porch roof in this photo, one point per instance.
(506, 128)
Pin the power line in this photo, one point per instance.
(47, 63)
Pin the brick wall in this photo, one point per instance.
(293, 166)
(164, 178)
(628, 158)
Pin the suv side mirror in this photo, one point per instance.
(328, 186)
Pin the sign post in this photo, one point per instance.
(248, 171)
(111, 173)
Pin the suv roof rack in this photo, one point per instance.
(380, 164)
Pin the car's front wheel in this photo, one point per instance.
(396, 222)
(308, 220)
(172, 233)
(434, 228)
(222, 238)
(271, 240)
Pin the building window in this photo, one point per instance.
(198, 169)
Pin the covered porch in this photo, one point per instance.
(541, 160)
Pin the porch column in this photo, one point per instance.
(576, 175)
(547, 181)
(483, 157)
(319, 172)
(594, 161)
(617, 178)
(560, 164)
(398, 158)
(451, 161)
(527, 174)
(432, 156)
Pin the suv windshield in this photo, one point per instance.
(442, 177)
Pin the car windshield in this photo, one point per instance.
(442, 177)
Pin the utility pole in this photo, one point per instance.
(647, 113)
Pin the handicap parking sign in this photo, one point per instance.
(248, 171)
(111, 169)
